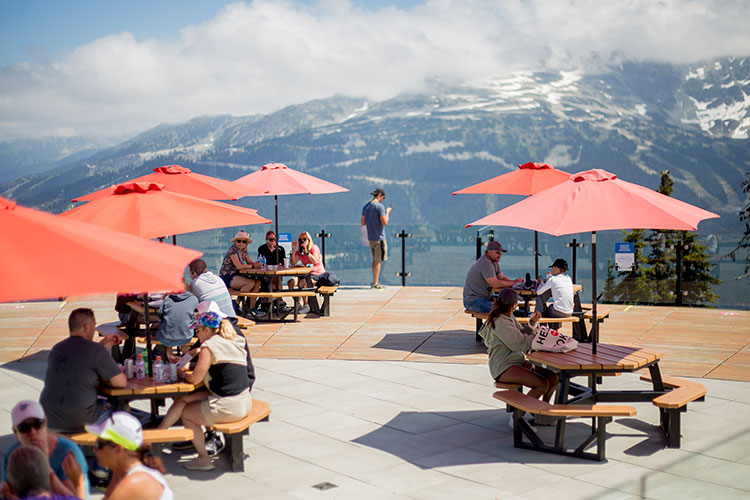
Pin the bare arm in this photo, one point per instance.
(501, 281)
(363, 220)
(119, 380)
(239, 265)
(385, 218)
(201, 367)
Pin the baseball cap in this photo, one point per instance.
(121, 428)
(560, 264)
(378, 191)
(209, 319)
(26, 409)
(210, 306)
(507, 296)
(496, 246)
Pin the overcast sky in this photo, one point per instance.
(85, 67)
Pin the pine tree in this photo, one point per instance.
(610, 293)
(744, 245)
(662, 270)
(697, 272)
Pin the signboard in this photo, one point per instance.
(624, 256)
(285, 242)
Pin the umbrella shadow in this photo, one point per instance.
(33, 365)
(438, 439)
(443, 344)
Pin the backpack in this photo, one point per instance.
(328, 279)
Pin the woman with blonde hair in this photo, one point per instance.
(306, 253)
(222, 367)
(136, 474)
(235, 260)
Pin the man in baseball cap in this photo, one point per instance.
(375, 217)
(30, 428)
(483, 276)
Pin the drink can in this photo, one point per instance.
(129, 368)
(173, 372)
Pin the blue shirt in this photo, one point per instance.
(372, 213)
(62, 448)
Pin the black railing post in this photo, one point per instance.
(575, 246)
(403, 235)
(323, 235)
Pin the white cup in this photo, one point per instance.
(286, 261)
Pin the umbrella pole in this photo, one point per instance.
(536, 253)
(276, 219)
(595, 324)
(147, 320)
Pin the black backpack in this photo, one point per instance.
(328, 279)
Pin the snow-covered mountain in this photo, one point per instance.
(634, 120)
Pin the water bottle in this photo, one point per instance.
(146, 362)
(549, 275)
(158, 370)
(140, 368)
(262, 260)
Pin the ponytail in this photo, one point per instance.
(148, 459)
(227, 330)
(497, 309)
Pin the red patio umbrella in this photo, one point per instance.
(530, 178)
(182, 180)
(278, 179)
(43, 255)
(596, 200)
(149, 211)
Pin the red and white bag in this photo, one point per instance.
(547, 339)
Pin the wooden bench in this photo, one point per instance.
(602, 313)
(294, 294)
(601, 413)
(233, 432)
(157, 438)
(674, 402)
(326, 292)
(482, 316)
(510, 387)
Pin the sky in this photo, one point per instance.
(104, 68)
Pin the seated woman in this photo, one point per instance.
(507, 343)
(559, 287)
(305, 253)
(136, 474)
(222, 367)
(236, 260)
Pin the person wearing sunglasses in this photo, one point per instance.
(136, 473)
(306, 253)
(274, 255)
(68, 470)
(235, 260)
(28, 476)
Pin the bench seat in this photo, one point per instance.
(294, 294)
(157, 438)
(327, 292)
(523, 403)
(674, 402)
(234, 431)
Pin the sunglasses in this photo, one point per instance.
(25, 427)
(102, 443)
(270, 239)
(302, 240)
(241, 241)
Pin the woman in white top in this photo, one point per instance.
(559, 287)
(136, 474)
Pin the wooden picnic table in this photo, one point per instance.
(146, 389)
(271, 272)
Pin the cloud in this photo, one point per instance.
(260, 56)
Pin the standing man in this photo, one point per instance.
(375, 217)
(483, 276)
(76, 367)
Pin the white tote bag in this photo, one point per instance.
(547, 339)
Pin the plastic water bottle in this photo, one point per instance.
(158, 370)
(140, 368)
(549, 275)
(262, 260)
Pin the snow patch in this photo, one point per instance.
(431, 147)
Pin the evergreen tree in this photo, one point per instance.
(610, 293)
(697, 272)
(662, 271)
(744, 244)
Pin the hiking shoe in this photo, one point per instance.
(377, 286)
(199, 463)
(304, 309)
(182, 445)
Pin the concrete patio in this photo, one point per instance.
(390, 397)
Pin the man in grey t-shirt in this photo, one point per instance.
(375, 217)
(207, 286)
(483, 276)
(76, 367)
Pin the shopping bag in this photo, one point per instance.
(548, 339)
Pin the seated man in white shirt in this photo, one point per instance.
(559, 287)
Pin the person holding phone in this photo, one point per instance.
(306, 253)
(375, 217)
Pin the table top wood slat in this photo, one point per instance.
(608, 357)
(147, 386)
(286, 271)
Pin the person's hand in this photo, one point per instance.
(294, 246)
(536, 316)
(110, 340)
(73, 471)
(518, 280)
(388, 210)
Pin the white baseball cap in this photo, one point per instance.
(121, 428)
(210, 306)
(26, 409)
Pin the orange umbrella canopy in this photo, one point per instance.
(278, 179)
(43, 255)
(530, 178)
(596, 200)
(183, 180)
(149, 211)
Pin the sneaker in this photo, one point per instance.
(283, 308)
(214, 446)
(259, 313)
(199, 463)
(182, 445)
(377, 286)
(304, 309)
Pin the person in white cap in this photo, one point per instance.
(68, 473)
(235, 260)
(136, 474)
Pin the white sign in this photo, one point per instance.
(624, 256)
